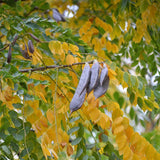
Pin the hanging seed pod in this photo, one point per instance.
(34, 37)
(94, 76)
(104, 74)
(14, 40)
(25, 53)
(9, 57)
(101, 89)
(84, 79)
(57, 16)
(77, 101)
(30, 46)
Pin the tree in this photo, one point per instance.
(41, 63)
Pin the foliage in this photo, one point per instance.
(36, 88)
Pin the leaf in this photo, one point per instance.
(74, 119)
(69, 59)
(76, 141)
(132, 97)
(55, 47)
(104, 138)
(140, 102)
(69, 150)
(79, 152)
(74, 129)
(17, 105)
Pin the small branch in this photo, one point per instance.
(53, 66)
(1, 49)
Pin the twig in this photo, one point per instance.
(53, 66)
(1, 49)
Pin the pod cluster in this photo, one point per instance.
(93, 78)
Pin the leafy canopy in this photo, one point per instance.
(39, 78)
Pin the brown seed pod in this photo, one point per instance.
(34, 37)
(25, 53)
(94, 76)
(14, 40)
(104, 74)
(77, 101)
(30, 46)
(101, 89)
(84, 79)
(9, 57)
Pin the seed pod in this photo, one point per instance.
(57, 16)
(84, 79)
(34, 37)
(77, 101)
(14, 40)
(25, 53)
(9, 57)
(94, 76)
(30, 46)
(104, 74)
(101, 89)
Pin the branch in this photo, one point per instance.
(1, 49)
(53, 66)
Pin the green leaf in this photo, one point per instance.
(81, 130)
(121, 101)
(133, 80)
(76, 141)
(79, 152)
(13, 114)
(17, 122)
(109, 20)
(85, 157)
(104, 138)
(17, 105)
(116, 95)
(132, 97)
(148, 91)
(140, 102)
(6, 149)
(132, 113)
(126, 77)
(74, 129)
(74, 119)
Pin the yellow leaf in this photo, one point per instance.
(65, 47)
(69, 59)
(111, 74)
(108, 46)
(118, 129)
(45, 151)
(55, 47)
(114, 48)
(117, 31)
(122, 24)
(50, 116)
(74, 78)
(47, 31)
(74, 49)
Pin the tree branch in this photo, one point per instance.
(53, 66)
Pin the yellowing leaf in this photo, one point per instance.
(50, 116)
(69, 59)
(74, 77)
(74, 49)
(118, 129)
(55, 47)
(111, 74)
(65, 47)
(47, 31)
(45, 151)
